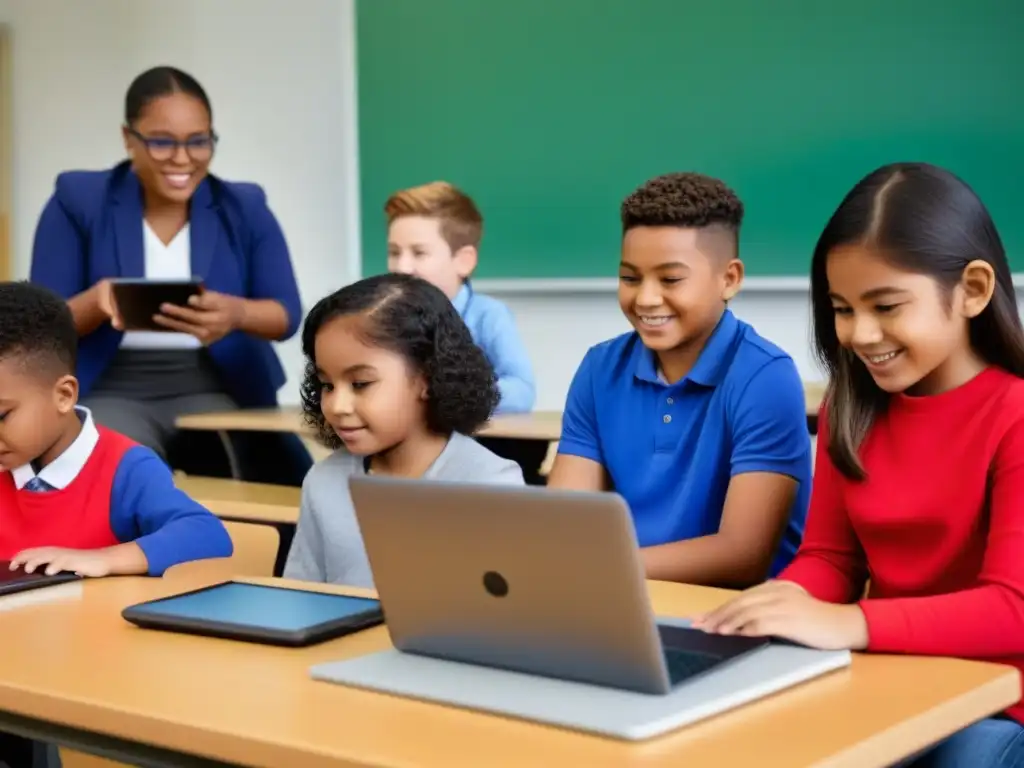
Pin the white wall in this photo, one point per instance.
(282, 80)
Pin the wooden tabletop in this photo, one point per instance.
(239, 500)
(256, 706)
(538, 425)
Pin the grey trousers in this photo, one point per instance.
(151, 422)
(142, 394)
(144, 391)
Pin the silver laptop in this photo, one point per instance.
(526, 579)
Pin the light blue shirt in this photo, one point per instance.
(494, 330)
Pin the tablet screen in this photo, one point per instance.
(254, 605)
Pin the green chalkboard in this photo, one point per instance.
(549, 112)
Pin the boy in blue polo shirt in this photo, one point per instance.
(697, 421)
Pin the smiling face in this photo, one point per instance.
(167, 172)
(369, 396)
(908, 332)
(673, 285)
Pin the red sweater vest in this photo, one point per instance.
(76, 517)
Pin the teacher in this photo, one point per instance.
(161, 215)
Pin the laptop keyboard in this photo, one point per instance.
(683, 665)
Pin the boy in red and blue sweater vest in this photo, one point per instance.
(73, 495)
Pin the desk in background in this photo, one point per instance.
(167, 695)
(539, 425)
(235, 501)
(524, 437)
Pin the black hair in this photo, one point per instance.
(925, 220)
(37, 328)
(682, 200)
(158, 82)
(413, 318)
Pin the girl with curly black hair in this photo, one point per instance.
(396, 384)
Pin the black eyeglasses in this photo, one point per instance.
(160, 148)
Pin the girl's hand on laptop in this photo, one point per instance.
(52, 560)
(785, 610)
(209, 316)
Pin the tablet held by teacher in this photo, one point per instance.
(159, 218)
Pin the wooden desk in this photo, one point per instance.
(276, 506)
(814, 393)
(256, 706)
(539, 425)
(523, 437)
(262, 502)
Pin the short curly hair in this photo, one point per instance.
(682, 200)
(37, 329)
(408, 316)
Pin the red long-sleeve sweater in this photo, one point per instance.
(938, 525)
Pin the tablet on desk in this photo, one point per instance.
(139, 299)
(258, 613)
(19, 581)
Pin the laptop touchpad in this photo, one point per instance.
(691, 652)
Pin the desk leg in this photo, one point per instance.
(287, 533)
(229, 449)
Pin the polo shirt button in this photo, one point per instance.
(670, 401)
(666, 418)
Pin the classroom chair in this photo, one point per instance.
(255, 549)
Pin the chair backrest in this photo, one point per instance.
(255, 546)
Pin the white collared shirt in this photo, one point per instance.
(60, 472)
(172, 261)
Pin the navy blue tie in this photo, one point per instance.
(38, 485)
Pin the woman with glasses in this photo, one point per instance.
(161, 215)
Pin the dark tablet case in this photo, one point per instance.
(307, 635)
(19, 581)
(138, 300)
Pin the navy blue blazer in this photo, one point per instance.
(92, 227)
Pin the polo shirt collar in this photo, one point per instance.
(712, 363)
(60, 472)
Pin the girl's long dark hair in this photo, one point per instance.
(928, 221)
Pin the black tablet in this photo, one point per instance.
(139, 299)
(258, 613)
(19, 581)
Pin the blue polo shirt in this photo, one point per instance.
(671, 449)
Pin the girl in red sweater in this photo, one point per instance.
(919, 475)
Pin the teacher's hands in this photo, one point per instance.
(106, 303)
(209, 316)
